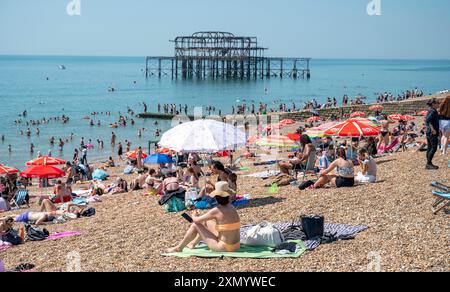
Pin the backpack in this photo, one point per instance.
(35, 234)
(88, 212)
(12, 236)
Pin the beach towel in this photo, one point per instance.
(264, 174)
(339, 230)
(99, 174)
(63, 234)
(250, 252)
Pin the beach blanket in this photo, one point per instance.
(63, 234)
(337, 229)
(83, 193)
(264, 174)
(251, 252)
(4, 247)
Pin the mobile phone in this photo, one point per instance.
(187, 217)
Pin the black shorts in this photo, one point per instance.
(342, 182)
(298, 166)
(384, 133)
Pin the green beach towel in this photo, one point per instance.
(274, 189)
(249, 252)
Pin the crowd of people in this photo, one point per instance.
(339, 163)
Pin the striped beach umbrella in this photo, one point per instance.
(276, 141)
(46, 160)
(7, 170)
(357, 114)
(397, 117)
(423, 113)
(133, 154)
(376, 107)
(353, 128)
(287, 122)
(314, 119)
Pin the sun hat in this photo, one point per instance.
(222, 190)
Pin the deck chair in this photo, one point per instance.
(442, 197)
(310, 168)
(21, 197)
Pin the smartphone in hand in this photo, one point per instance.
(187, 217)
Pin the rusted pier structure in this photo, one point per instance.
(221, 55)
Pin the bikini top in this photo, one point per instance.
(228, 227)
(346, 171)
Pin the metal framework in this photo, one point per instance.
(223, 55)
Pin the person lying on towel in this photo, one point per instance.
(219, 228)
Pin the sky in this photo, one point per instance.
(406, 29)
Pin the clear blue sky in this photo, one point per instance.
(407, 29)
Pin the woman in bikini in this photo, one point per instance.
(384, 133)
(219, 228)
(345, 169)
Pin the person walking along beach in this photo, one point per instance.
(432, 124)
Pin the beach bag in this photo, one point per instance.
(313, 226)
(264, 234)
(174, 205)
(283, 180)
(35, 234)
(12, 236)
(304, 185)
(128, 170)
(88, 212)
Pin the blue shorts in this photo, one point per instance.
(23, 218)
(444, 126)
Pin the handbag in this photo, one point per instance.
(313, 226)
(303, 186)
(264, 234)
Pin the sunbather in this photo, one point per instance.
(368, 166)
(302, 159)
(345, 176)
(218, 169)
(219, 228)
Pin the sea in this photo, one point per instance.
(38, 85)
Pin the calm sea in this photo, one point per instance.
(83, 88)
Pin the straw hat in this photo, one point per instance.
(222, 190)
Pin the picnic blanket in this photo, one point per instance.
(338, 229)
(253, 252)
(264, 174)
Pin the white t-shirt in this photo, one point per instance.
(372, 166)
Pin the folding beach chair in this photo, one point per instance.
(310, 168)
(21, 197)
(442, 198)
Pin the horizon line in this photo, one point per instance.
(144, 56)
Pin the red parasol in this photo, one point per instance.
(352, 128)
(376, 107)
(133, 154)
(45, 160)
(357, 114)
(409, 118)
(423, 113)
(397, 117)
(287, 122)
(314, 119)
(294, 136)
(7, 170)
(42, 171)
